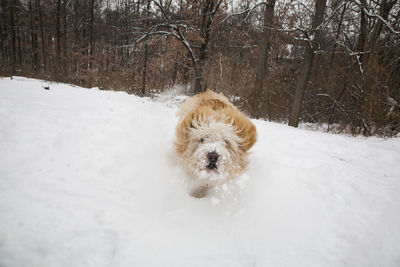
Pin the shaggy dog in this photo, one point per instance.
(212, 140)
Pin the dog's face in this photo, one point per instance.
(213, 149)
(213, 138)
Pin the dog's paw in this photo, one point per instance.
(200, 191)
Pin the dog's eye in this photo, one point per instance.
(201, 140)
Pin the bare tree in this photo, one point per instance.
(208, 44)
(58, 32)
(91, 37)
(33, 36)
(194, 35)
(209, 9)
(11, 6)
(146, 54)
(262, 65)
(64, 34)
(362, 36)
(39, 8)
(304, 74)
(3, 30)
(384, 11)
(337, 34)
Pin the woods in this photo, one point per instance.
(336, 63)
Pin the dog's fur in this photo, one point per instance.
(209, 123)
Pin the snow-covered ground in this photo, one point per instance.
(87, 179)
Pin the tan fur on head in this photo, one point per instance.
(210, 123)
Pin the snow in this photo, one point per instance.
(87, 178)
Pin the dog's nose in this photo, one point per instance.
(212, 159)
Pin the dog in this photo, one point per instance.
(212, 140)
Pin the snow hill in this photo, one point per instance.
(87, 179)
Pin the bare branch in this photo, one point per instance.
(356, 55)
(378, 17)
(333, 13)
(248, 11)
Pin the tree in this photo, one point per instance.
(224, 46)
(304, 74)
(39, 8)
(262, 65)
(193, 32)
(208, 11)
(33, 36)
(146, 54)
(11, 6)
(58, 32)
(91, 36)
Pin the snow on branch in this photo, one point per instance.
(378, 17)
(355, 54)
(248, 11)
(332, 14)
(167, 29)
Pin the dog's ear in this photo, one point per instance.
(249, 136)
(182, 133)
(245, 129)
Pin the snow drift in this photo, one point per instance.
(87, 179)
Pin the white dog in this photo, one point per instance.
(212, 140)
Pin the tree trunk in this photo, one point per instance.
(13, 39)
(198, 80)
(58, 33)
(144, 75)
(107, 60)
(385, 8)
(236, 64)
(303, 77)
(91, 41)
(39, 7)
(145, 56)
(185, 75)
(64, 36)
(133, 60)
(205, 36)
(262, 66)
(3, 29)
(210, 7)
(2, 39)
(332, 56)
(19, 48)
(175, 72)
(33, 38)
(362, 37)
